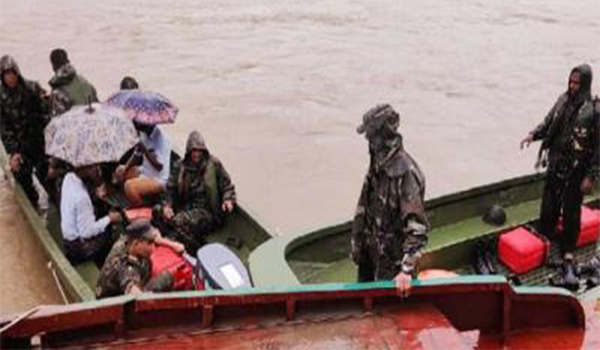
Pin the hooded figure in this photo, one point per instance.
(199, 192)
(66, 82)
(570, 140)
(390, 226)
(23, 116)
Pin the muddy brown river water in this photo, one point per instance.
(278, 88)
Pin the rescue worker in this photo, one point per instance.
(199, 193)
(128, 270)
(66, 82)
(23, 116)
(570, 140)
(390, 226)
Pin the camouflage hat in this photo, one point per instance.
(376, 118)
(140, 229)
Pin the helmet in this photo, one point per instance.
(495, 215)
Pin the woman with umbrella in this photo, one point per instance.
(85, 137)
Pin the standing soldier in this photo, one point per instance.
(23, 116)
(390, 226)
(570, 136)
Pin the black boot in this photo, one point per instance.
(490, 247)
(479, 262)
(567, 276)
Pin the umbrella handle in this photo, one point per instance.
(90, 109)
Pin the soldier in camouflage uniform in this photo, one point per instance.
(390, 226)
(570, 136)
(23, 115)
(128, 270)
(199, 193)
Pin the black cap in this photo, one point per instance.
(140, 229)
(58, 58)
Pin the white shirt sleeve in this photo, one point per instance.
(77, 212)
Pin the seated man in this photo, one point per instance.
(85, 237)
(68, 86)
(128, 268)
(199, 192)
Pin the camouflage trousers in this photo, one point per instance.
(379, 261)
(95, 248)
(189, 228)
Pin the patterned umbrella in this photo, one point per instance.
(144, 107)
(84, 137)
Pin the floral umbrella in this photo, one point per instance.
(145, 107)
(89, 135)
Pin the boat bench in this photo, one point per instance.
(89, 272)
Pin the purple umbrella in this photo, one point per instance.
(144, 107)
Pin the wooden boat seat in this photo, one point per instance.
(89, 272)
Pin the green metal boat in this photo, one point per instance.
(77, 283)
(322, 255)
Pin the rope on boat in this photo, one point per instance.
(20, 318)
(57, 282)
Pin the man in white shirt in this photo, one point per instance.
(147, 182)
(85, 237)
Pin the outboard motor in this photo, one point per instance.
(221, 268)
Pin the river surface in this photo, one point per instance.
(278, 87)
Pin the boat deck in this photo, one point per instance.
(446, 236)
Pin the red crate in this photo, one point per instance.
(521, 250)
(590, 226)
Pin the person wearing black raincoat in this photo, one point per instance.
(23, 116)
(570, 137)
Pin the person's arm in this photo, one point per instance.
(130, 280)
(175, 246)
(592, 175)
(8, 133)
(359, 223)
(541, 131)
(225, 187)
(85, 221)
(415, 222)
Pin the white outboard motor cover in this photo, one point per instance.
(222, 268)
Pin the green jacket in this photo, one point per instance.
(76, 88)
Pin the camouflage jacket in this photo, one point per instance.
(390, 217)
(205, 186)
(120, 272)
(23, 116)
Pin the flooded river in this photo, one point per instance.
(278, 88)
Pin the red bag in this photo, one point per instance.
(590, 226)
(521, 250)
(165, 259)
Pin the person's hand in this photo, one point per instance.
(16, 159)
(227, 206)
(119, 174)
(587, 185)
(527, 141)
(167, 212)
(403, 284)
(101, 191)
(178, 248)
(114, 216)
